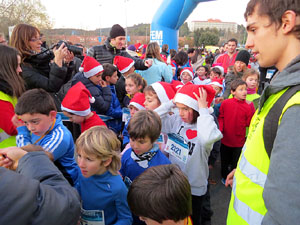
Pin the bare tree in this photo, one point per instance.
(31, 12)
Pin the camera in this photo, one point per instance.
(72, 48)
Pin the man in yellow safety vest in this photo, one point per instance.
(266, 182)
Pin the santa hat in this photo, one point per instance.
(217, 82)
(185, 95)
(164, 91)
(189, 70)
(77, 100)
(138, 101)
(123, 63)
(176, 84)
(90, 67)
(221, 68)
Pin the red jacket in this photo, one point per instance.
(226, 61)
(94, 120)
(234, 117)
(6, 114)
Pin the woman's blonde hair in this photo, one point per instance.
(104, 144)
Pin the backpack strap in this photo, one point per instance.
(271, 120)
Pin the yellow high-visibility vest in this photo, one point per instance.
(5, 139)
(247, 204)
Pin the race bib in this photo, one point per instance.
(92, 217)
(177, 147)
(125, 115)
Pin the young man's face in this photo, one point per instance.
(186, 113)
(141, 145)
(240, 93)
(268, 44)
(89, 164)
(113, 79)
(37, 123)
(152, 101)
(231, 46)
(74, 118)
(96, 78)
(118, 42)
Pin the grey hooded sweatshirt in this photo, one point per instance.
(282, 188)
(37, 193)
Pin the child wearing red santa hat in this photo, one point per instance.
(186, 75)
(76, 106)
(136, 104)
(125, 66)
(191, 135)
(91, 76)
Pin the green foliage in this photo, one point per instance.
(206, 37)
(184, 30)
(214, 36)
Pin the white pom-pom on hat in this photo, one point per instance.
(92, 100)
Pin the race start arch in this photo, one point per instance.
(167, 20)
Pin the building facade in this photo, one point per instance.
(213, 23)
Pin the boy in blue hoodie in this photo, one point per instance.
(38, 124)
(110, 76)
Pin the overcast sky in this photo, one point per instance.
(91, 14)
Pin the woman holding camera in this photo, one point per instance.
(41, 68)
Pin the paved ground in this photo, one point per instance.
(219, 196)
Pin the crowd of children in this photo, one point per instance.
(159, 124)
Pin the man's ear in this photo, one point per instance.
(289, 21)
(52, 114)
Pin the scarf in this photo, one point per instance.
(251, 91)
(143, 159)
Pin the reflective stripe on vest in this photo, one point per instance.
(244, 211)
(247, 204)
(251, 171)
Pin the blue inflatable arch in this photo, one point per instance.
(167, 20)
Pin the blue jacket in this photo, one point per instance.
(157, 72)
(58, 141)
(131, 169)
(114, 111)
(102, 96)
(105, 192)
(125, 134)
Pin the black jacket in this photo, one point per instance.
(106, 54)
(102, 95)
(38, 72)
